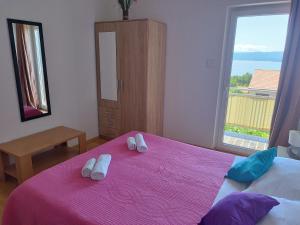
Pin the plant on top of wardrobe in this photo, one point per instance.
(125, 5)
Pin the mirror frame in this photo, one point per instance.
(16, 68)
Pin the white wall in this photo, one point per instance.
(69, 45)
(194, 47)
(194, 53)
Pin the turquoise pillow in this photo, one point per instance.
(252, 167)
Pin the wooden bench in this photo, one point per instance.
(23, 149)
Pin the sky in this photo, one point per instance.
(261, 33)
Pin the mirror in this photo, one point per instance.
(108, 66)
(28, 53)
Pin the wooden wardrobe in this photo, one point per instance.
(130, 58)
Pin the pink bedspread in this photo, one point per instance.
(31, 112)
(173, 183)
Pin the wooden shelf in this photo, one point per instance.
(11, 171)
(46, 160)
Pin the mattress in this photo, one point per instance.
(172, 183)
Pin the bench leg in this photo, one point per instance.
(24, 168)
(82, 143)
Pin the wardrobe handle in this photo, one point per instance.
(120, 85)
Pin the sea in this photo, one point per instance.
(248, 62)
(240, 67)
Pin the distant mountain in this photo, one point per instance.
(258, 56)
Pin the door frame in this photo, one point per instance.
(233, 13)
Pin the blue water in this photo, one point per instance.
(240, 67)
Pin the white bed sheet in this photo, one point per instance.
(230, 186)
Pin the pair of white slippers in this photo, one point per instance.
(96, 169)
(137, 143)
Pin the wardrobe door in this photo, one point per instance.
(132, 49)
(109, 101)
(156, 77)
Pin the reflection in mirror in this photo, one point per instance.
(30, 68)
(108, 66)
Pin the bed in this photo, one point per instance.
(30, 111)
(173, 183)
(281, 182)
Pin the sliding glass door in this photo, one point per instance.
(251, 71)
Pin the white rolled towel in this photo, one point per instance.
(140, 143)
(88, 167)
(101, 167)
(131, 143)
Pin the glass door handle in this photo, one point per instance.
(226, 91)
(121, 85)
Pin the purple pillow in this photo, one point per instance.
(239, 208)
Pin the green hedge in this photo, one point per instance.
(242, 130)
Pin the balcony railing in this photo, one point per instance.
(250, 111)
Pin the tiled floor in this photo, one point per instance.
(245, 141)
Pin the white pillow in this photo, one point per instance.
(287, 213)
(282, 180)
